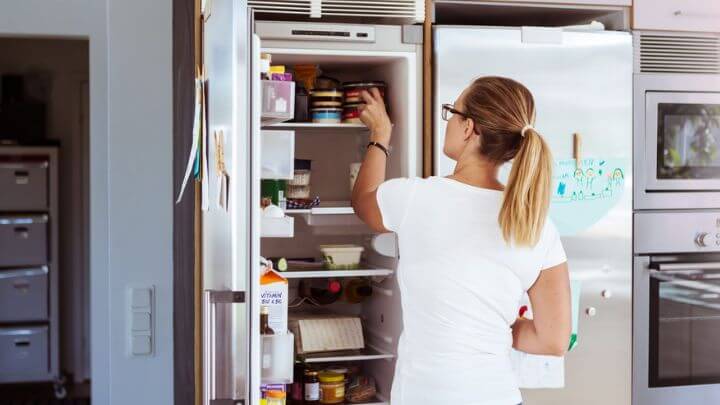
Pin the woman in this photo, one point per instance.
(470, 247)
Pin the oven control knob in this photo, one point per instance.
(591, 311)
(700, 239)
(606, 294)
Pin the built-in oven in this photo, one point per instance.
(677, 141)
(676, 308)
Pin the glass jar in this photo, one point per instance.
(332, 388)
(312, 387)
(275, 398)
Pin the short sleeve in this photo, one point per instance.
(555, 253)
(393, 199)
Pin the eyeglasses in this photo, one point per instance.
(449, 108)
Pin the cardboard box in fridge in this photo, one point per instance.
(274, 295)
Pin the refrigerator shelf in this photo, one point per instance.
(315, 126)
(332, 213)
(337, 273)
(364, 355)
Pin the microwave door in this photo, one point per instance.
(682, 141)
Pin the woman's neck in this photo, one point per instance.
(478, 172)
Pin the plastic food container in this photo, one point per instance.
(326, 115)
(298, 192)
(341, 257)
(351, 113)
(326, 98)
(332, 388)
(352, 90)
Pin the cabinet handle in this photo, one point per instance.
(22, 285)
(680, 13)
(22, 232)
(22, 177)
(22, 343)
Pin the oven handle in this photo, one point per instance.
(685, 267)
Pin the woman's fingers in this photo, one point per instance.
(376, 95)
(367, 97)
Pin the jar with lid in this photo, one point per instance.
(332, 388)
(312, 387)
(275, 398)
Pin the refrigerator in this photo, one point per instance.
(581, 81)
(250, 129)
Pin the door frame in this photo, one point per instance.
(186, 255)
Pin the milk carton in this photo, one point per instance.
(274, 295)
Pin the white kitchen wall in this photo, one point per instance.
(130, 176)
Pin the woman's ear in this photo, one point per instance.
(469, 128)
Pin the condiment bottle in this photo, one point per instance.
(275, 398)
(265, 328)
(312, 387)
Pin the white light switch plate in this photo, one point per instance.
(140, 329)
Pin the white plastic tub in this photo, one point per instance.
(341, 257)
(278, 358)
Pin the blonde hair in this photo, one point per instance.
(503, 111)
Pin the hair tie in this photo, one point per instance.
(525, 128)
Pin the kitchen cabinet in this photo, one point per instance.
(577, 2)
(677, 15)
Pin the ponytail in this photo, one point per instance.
(527, 193)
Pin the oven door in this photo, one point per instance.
(676, 330)
(682, 141)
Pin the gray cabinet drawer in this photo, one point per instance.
(24, 184)
(23, 240)
(24, 294)
(23, 353)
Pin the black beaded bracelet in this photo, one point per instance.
(381, 146)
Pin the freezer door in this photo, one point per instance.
(230, 230)
(582, 83)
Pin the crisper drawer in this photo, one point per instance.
(24, 183)
(676, 15)
(23, 240)
(23, 353)
(24, 294)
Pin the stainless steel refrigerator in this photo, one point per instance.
(582, 84)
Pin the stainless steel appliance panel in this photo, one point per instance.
(24, 184)
(682, 141)
(23, 240)
(676, 321)
(24, 353)
(24, 294)
(581, 84)
(663, 232)
(651, 193)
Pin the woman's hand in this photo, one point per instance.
(375, 117)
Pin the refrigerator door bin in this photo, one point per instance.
(278, 155)
(24, 354)
(278, 101)
(24, 184)
(24, 294)
(277, 227)
(278, 358)
(23, 240)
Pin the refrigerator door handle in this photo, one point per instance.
(218, 370)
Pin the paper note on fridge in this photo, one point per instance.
(536, 371)
(583, 194)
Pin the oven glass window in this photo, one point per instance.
(684, 328)
(688, 141)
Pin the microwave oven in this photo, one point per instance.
(677, 141)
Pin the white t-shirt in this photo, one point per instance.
(461, 285)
